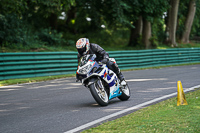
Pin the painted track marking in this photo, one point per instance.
(126, 110)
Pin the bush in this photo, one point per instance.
(16, 33)
(154, 41)
(11, 29)
(50, 37)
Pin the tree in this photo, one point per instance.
(136, 32)
(13, 7)
(132, 14)
(196, 23)
(11, 26)
(109, 12)
(146, 33)
(150, 11)
(142, 15)
(172, 21)
(43, 13)
(189, 21)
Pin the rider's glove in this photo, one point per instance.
(104, 61)
(84, 53)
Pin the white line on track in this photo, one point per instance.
(125, 110)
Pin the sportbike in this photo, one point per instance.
(102, 82)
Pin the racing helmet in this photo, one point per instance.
(83, 46)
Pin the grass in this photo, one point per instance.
(32, 80)
(189, 45)
(40, 48)
(163, 117)
(160, 67)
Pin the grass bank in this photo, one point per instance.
(32, 80)
(164, 117)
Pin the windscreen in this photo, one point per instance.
(84, 59)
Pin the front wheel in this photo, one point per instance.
(125, 93)
(99, 93)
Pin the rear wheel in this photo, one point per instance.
(99, 93)
(125, 93)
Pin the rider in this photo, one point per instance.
(84, 47)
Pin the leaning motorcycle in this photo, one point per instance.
(102, 82)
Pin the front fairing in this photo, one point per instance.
(91, 71)
(86, 67)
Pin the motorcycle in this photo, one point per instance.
(102, 82)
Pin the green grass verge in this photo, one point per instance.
(160, 67)
(32, 80)
(164, 117)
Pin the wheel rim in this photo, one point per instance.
(101, 91)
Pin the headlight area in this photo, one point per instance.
(85, 69)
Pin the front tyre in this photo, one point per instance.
(125, 93)
(99, 93)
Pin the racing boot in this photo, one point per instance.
(119, 75)
(121, 78)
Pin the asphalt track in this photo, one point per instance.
(61, 105)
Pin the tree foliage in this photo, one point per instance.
(26, 22)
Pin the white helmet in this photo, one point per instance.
(82, 45)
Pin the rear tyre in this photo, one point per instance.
(99, 93)
(125, 93)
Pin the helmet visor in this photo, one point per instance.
(81, 50)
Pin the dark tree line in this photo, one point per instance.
(148, 22)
